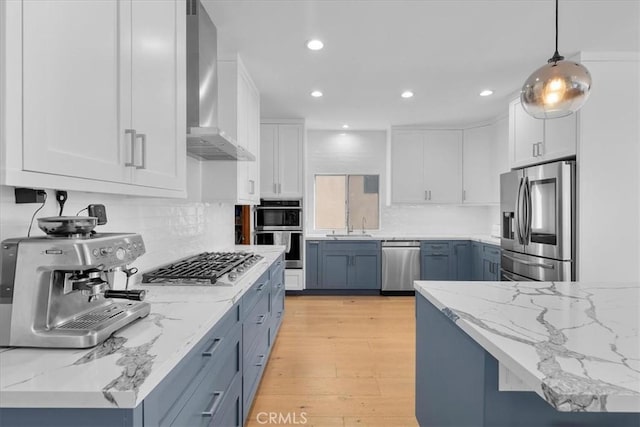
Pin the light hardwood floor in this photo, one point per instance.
(342, 361)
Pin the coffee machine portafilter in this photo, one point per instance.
(57, 291)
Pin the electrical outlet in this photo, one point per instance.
(100, 212)
(29, 195)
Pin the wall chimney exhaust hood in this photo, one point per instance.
(204, 139)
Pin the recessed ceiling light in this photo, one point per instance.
(345, 126)
(315, 44)
(316, 94)
(407, 94)
(486, 92)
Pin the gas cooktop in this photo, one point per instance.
(203, 269)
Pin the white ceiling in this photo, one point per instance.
(446, 52)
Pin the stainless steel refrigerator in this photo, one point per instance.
(538, 223)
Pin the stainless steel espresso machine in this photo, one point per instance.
(56, 291)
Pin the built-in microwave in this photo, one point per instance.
(279, 215)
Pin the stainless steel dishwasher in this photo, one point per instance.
(400, 265)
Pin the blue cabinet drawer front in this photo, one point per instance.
(491, 251)
(277, 268)
(206, 403)
(254, 362)
(168, 399)
(256, 321)
(350, 246)
(431, 247)
(277, 307)
(258, 290)
(230, 414)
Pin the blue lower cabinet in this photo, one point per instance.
(476, 261)
(312, 264)
(461, 261)
(435, 267)
(343, 265)
(490, 263)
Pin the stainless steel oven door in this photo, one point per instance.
(536, 268)
(547, 210)
(292, 241)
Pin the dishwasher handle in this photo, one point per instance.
(400, 243)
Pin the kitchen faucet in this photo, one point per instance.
(364, 221)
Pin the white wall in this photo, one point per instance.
(608, 174)
(171, 228)
(366, 152)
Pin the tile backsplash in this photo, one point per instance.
(171, 228)
(435, 220)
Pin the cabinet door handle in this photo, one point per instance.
(252, 186)
(429, 194)
(132, 142)
(214, 346)
(464, 195)
(260, 287)
(217, 399)
(426, 195)
(533, 150)
(260, 320)
(143, 141)
(275, 188)
(539, 148)
(261, 362)
(279, 188)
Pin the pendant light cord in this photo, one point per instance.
(556, 56)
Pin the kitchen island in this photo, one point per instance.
(527, 354)
(153, 367)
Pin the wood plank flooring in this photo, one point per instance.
(342, 361)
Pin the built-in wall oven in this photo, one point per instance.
(538, 211)
(279, 222)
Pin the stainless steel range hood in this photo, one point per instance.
(204, 138)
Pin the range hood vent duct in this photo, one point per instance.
(205, 140)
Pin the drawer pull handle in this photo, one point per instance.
(209, 352)
(260, 319)
(261, 362)
(438, 254)
(259, 288)
(217, 399)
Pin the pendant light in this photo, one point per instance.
(556, 89)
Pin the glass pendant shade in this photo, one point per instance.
(556, 90)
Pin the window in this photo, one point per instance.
(343, 201)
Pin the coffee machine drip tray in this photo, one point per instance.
(93, 327)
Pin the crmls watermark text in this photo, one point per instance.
(281, 418)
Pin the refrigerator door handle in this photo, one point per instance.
(518, 216)
(528, 210)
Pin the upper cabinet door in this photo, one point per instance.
(443, 166)
(407, 163)
(158, 100)
(478, 166)
(72, 121)
(268, 160)
(560, 137)
(526, 135)
(290, 161)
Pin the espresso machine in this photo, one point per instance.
(56, 290)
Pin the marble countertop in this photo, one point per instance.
(125, 368)
(482, 238)
(574, 344)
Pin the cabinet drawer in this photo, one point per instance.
(435, 247)
(207, 402)
(351, 246)
(254, 362)
(230, 413)
(277, 306)
(253, 295)
(277, 268)
(256, 321)
(491, 251)
(168, 399)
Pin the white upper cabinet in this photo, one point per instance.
(281, 166)
(239, 116)
(102, 100)
(426, 166)
(478, 165)
(534, 141)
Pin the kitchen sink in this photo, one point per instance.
(350, 236)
